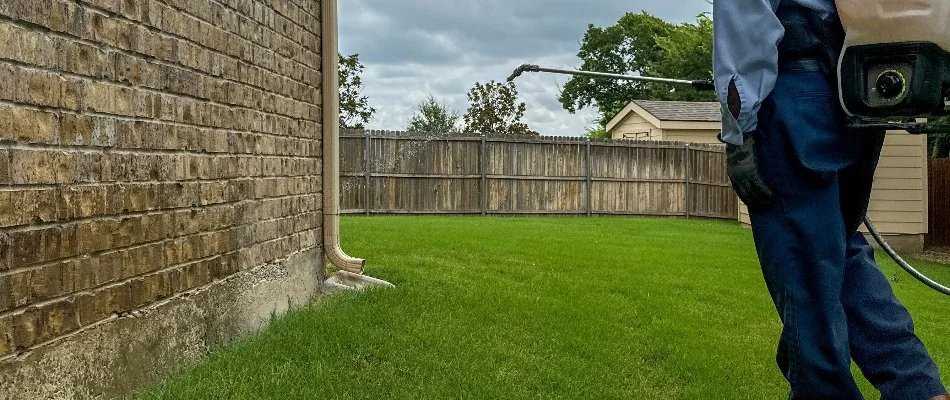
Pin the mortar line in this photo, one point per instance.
(255, 21)
(128, 118)
(147, 213)
(147, 57)
(155, 29)
(117, 283)
(6, 144)
(147, 308)
(41, 186)
(148, 89)
(137, 246)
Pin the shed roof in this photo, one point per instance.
(682, 110)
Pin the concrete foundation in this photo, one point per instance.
(904, 244)
(132, 352)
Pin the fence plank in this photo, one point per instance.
(938, 174)
(387, 172)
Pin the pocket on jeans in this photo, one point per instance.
(817, 134)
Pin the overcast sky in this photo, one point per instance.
(415, 47)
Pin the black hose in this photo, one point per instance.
(903, 264)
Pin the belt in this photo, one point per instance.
(801, 65)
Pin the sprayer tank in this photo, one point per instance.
(894, 21)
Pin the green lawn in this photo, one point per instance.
(541, 308)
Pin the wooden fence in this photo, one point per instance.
(938, 171)
(384, 172)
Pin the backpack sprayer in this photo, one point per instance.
(894, 73)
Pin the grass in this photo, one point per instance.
(518, 308)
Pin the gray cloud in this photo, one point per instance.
(412, 48)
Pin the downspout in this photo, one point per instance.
(331, 142)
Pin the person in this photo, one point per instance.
(806, 178)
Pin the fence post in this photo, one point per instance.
(688, 171)
(483, 169)
(367, 173)
(590, 181)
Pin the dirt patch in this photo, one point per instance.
(940, 255)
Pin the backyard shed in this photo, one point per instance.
(674, 121)
(899, 202)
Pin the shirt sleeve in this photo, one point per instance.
(746, 34)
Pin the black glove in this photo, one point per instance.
(744, 174)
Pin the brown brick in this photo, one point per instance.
(44, 89)
(46, 282)
(9, 41)
(72, 93)
(34, 246)
(27, 206)
(29, 126)
(111, 268)
(110, 244)
(111, 5)
(76, 129)
(119, 298)
(19, 285)
(104, 132)
(32, 167)
(79, 273)
(72, 19)
(133, 9)
(37, 48)
(6, 334)
(138, 292)
(29, 326)
(85, 168)
(36, 325)
(94, 236)
(104, 28)
(34, 11)
(59, 16)
(6, 294)
(99, 97)
(129, 69)
(10, 82)
(84, 59)
(81, 202)
(43, 166)
(60, 318)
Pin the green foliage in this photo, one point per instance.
(494, 108)
(434, 117)
(355, 111)
(574, 308)
(939, 143)
(640, 44)
(597, 132)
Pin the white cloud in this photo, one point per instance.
(412, 48)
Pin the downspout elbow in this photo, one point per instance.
(331, 143)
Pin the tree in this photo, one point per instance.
(355, 111)
(597, 132)
(493, 108)
(640, 44)
(939, 143)
(434, 117)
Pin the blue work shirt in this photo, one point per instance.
(746, 34)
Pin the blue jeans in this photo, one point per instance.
(834, 302)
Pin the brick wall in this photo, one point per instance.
(149, 148)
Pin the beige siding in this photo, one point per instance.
(899, 199)
(635, 127)
(690, 136)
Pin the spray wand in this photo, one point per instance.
(708, 85)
